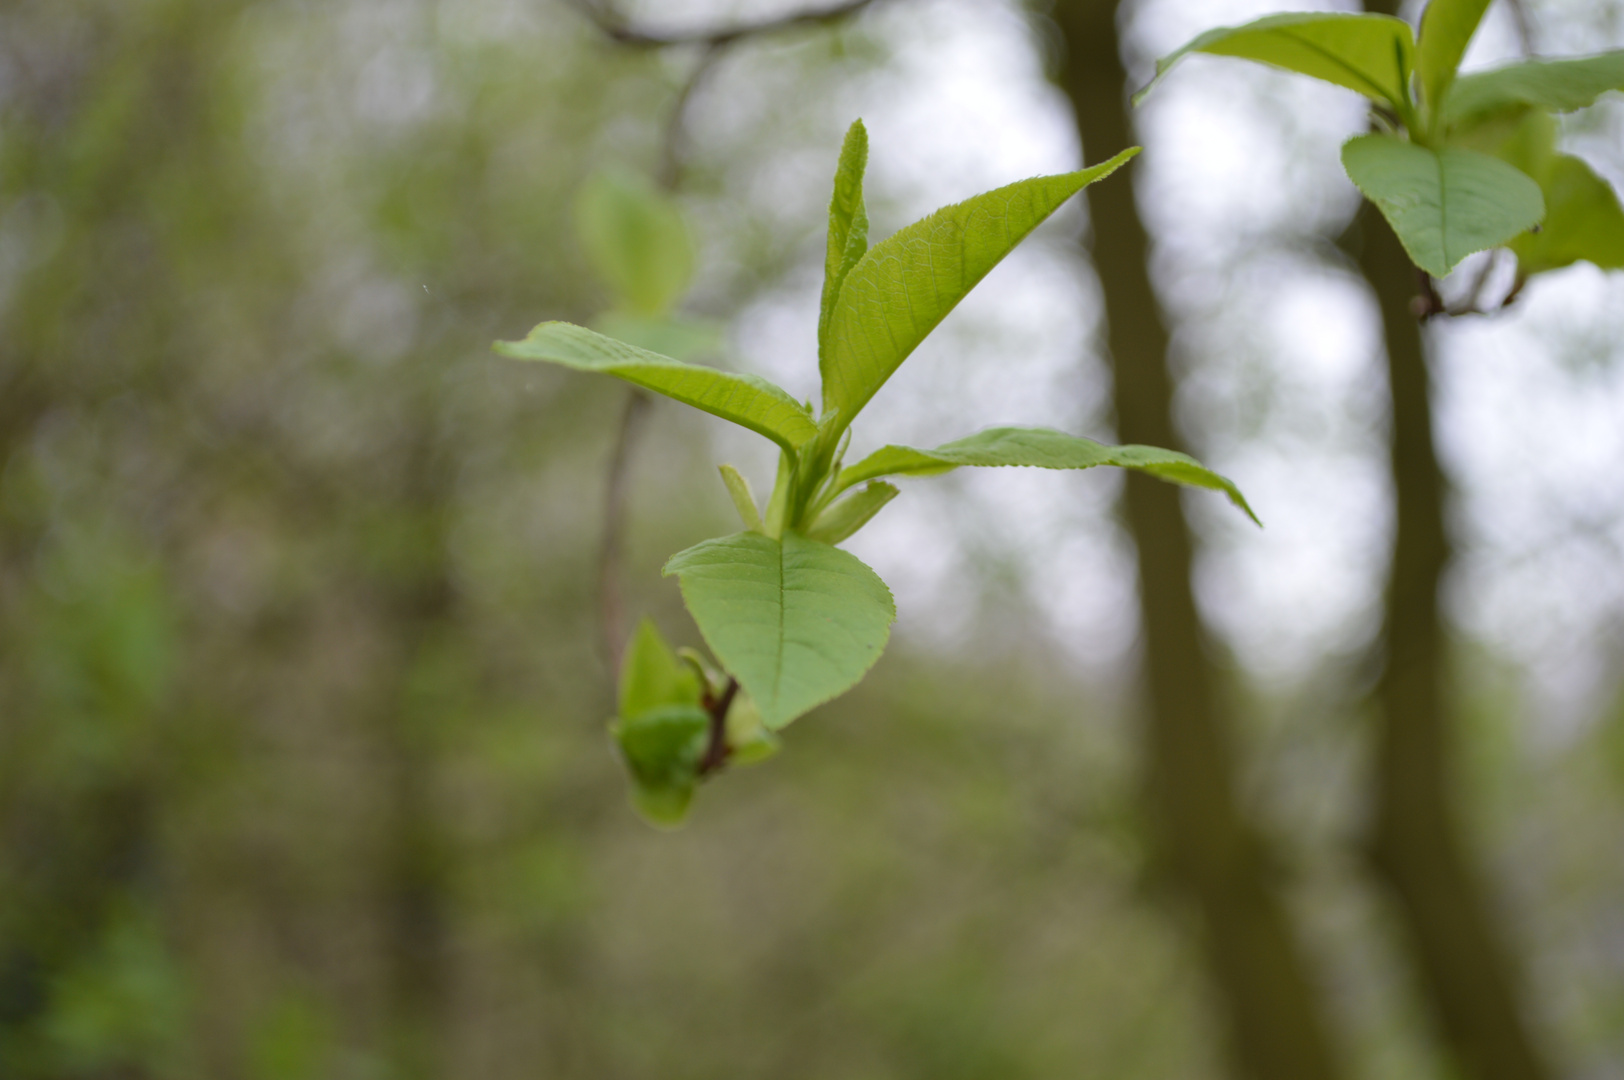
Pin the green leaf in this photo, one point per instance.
(1583, 222)
(636, 238)
(744, 500)
(906, 284)
(1443, 204)
(748, 740)
(842, 519)
(662, 750)
(1040, 448)
(796, 621)
(1372, 54)
(848, 228)
(748, 400)
(668, 335)
(1446, 28)
(1557, 85)
(651, 676)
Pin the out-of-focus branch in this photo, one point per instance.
(612, 554)
(617, 30)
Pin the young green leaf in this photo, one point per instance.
(637, 240)
(1446, 28)
(747, 400)
(1443, 204)
(1557, 85)
(906, 284)
(1040, 448)
(796, 621)
(662, 750)
(1372, 54)
(744, 500)
(848, 228)
(651, 676)
(840, 520)
(1583, 222)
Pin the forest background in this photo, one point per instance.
(303, 770)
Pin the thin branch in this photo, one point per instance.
(1525, 26)
(716, 749)
(612, 554)
(620, 32)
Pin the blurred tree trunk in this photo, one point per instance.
(1216, 860)
(1464, 965)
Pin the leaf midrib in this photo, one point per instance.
(1338, 61)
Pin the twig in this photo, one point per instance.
(1525, 26)
(611, 604)
(613, 28)
(717, 750)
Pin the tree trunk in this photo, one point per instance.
(1216, 861)
(1415, 844)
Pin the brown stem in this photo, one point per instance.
(1213, 856)
(716, 749)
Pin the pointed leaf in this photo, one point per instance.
(840, 520)
(797, 622)
(1443, 204)
(848, 230)
(651, 676)
(637, 240)
(662, 750)
(1447, 27)
(906, 284)
(1041, 448)
(1372, 54)
(1557, 85)
(744, 500)
(747, 400)
(1583, 222)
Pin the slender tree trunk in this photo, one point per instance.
(1415, 846)
(1271, 1007)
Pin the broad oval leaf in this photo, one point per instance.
(746, 400)
(1557, 85)
(1443, 204)
(796, 621)
(636, 239)
(1583, 222)
(1372, 54)
(1447, 27)
(1041, 448)
(906, 284)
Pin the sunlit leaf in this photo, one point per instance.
(1372, 54)
(636, 238)
(1447, 27)
(848, 229)
(747, 400)
(906, 284)
(1443, 204)
(1040, 448)
(1557, 85)
(796, 621)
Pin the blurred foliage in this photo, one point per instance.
(303, 764)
